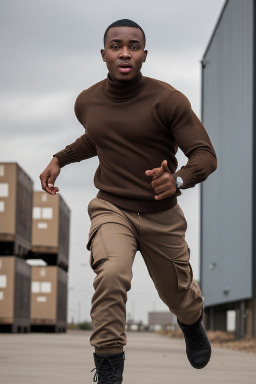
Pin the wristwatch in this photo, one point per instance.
(178, 181)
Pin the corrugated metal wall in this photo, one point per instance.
(226, 197)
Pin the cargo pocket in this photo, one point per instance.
(184, 274)
(97, 247)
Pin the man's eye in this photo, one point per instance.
(133, 47)
(115, 46)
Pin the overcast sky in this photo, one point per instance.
(50, 53)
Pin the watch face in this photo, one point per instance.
(179, 182)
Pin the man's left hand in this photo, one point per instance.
(163, 181)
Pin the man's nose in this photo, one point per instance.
(125, 53)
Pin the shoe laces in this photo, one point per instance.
(196, 338)
(104, 373)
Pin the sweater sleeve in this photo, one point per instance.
(83, 148)
(191, 137)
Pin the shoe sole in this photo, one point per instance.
(203, 366)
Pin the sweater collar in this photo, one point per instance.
(123, 90)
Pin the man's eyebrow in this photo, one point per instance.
(134, 41)
(120, 41)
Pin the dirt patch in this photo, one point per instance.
(228, 340)
(222, 339)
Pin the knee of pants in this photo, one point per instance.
(112, 278)
(111, 263)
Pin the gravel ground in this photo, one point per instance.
(223, 339)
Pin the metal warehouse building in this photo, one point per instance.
(228, 197)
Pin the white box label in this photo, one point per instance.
(1, 295)
(3, 281)
(46, 287)
(1, 206)
(4, 189)
(42, 225)
(47, 213)
(35, 287)
(42, 272)
(1, 170)
(41, 299)
(37, 213)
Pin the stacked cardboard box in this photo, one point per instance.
(33, 225)
(48, 298)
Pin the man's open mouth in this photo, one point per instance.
(124, 67)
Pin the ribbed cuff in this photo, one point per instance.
(108, 350)
(66, 156)
(188, 177)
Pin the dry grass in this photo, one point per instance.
(222, 339)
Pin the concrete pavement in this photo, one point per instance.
(38, 358)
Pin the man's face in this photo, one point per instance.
(124, 52)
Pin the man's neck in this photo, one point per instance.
(122, 90)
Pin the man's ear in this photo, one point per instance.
(145, 56)
(102, 51)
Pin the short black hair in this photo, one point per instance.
(124, 23)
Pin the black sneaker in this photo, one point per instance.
(198, 347)
(109, 368)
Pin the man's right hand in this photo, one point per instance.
(49, 175)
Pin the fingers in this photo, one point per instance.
(164, 195)
(48, 186)
(157, 172)
(162, 181)
(162, 187)
(43, 181)
(49, 175)
(165, 166)
(152, 172)
(52, 190)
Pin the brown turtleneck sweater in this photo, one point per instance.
(133, 126)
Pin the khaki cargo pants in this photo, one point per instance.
(114, 238)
